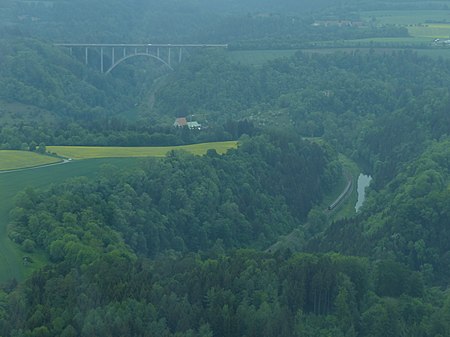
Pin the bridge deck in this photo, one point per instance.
(168, 45)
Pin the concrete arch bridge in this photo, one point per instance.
(109, 56)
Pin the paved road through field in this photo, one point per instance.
(64, 161)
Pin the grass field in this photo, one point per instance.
(431, 31)
(87, 152)
(421, 24)
(407, 41)
(11, 183)
(407, 17)
(11, 160)
(430, 52)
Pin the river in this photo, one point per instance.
(363, 182)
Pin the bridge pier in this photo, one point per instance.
(101, 59)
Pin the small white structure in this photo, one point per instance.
(194, 125)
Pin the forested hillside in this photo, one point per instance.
(407, 220)
(51, 97)
(245, 24)
(246, 293)
(241, 243)
(369, 105)
(34, 73)
(147, 252)
(189, 203)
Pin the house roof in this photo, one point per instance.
(181, 121)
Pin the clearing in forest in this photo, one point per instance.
(12, 160)
(87, 152)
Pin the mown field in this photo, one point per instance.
(422, 25)
(87, 152)
(406, 17)
(11, 160)
(418, 41)
(11, 183)
(431, 31)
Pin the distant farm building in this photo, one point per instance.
(441, 42)
(338, 23)
(180, 122)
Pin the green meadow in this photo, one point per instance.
(407, 17)
(397, 41)
(422, 25)
(11, 160)
(88, 152)
(431, 31)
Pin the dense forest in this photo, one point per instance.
(190, 245)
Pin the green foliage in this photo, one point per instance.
(11, 184)
(246, 293)
(405, 221)
(366, 104)
(41, 149)
(154, 251)
(98, 235)
(184, 202)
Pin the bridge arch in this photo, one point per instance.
(137, 50)
(137, 54)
